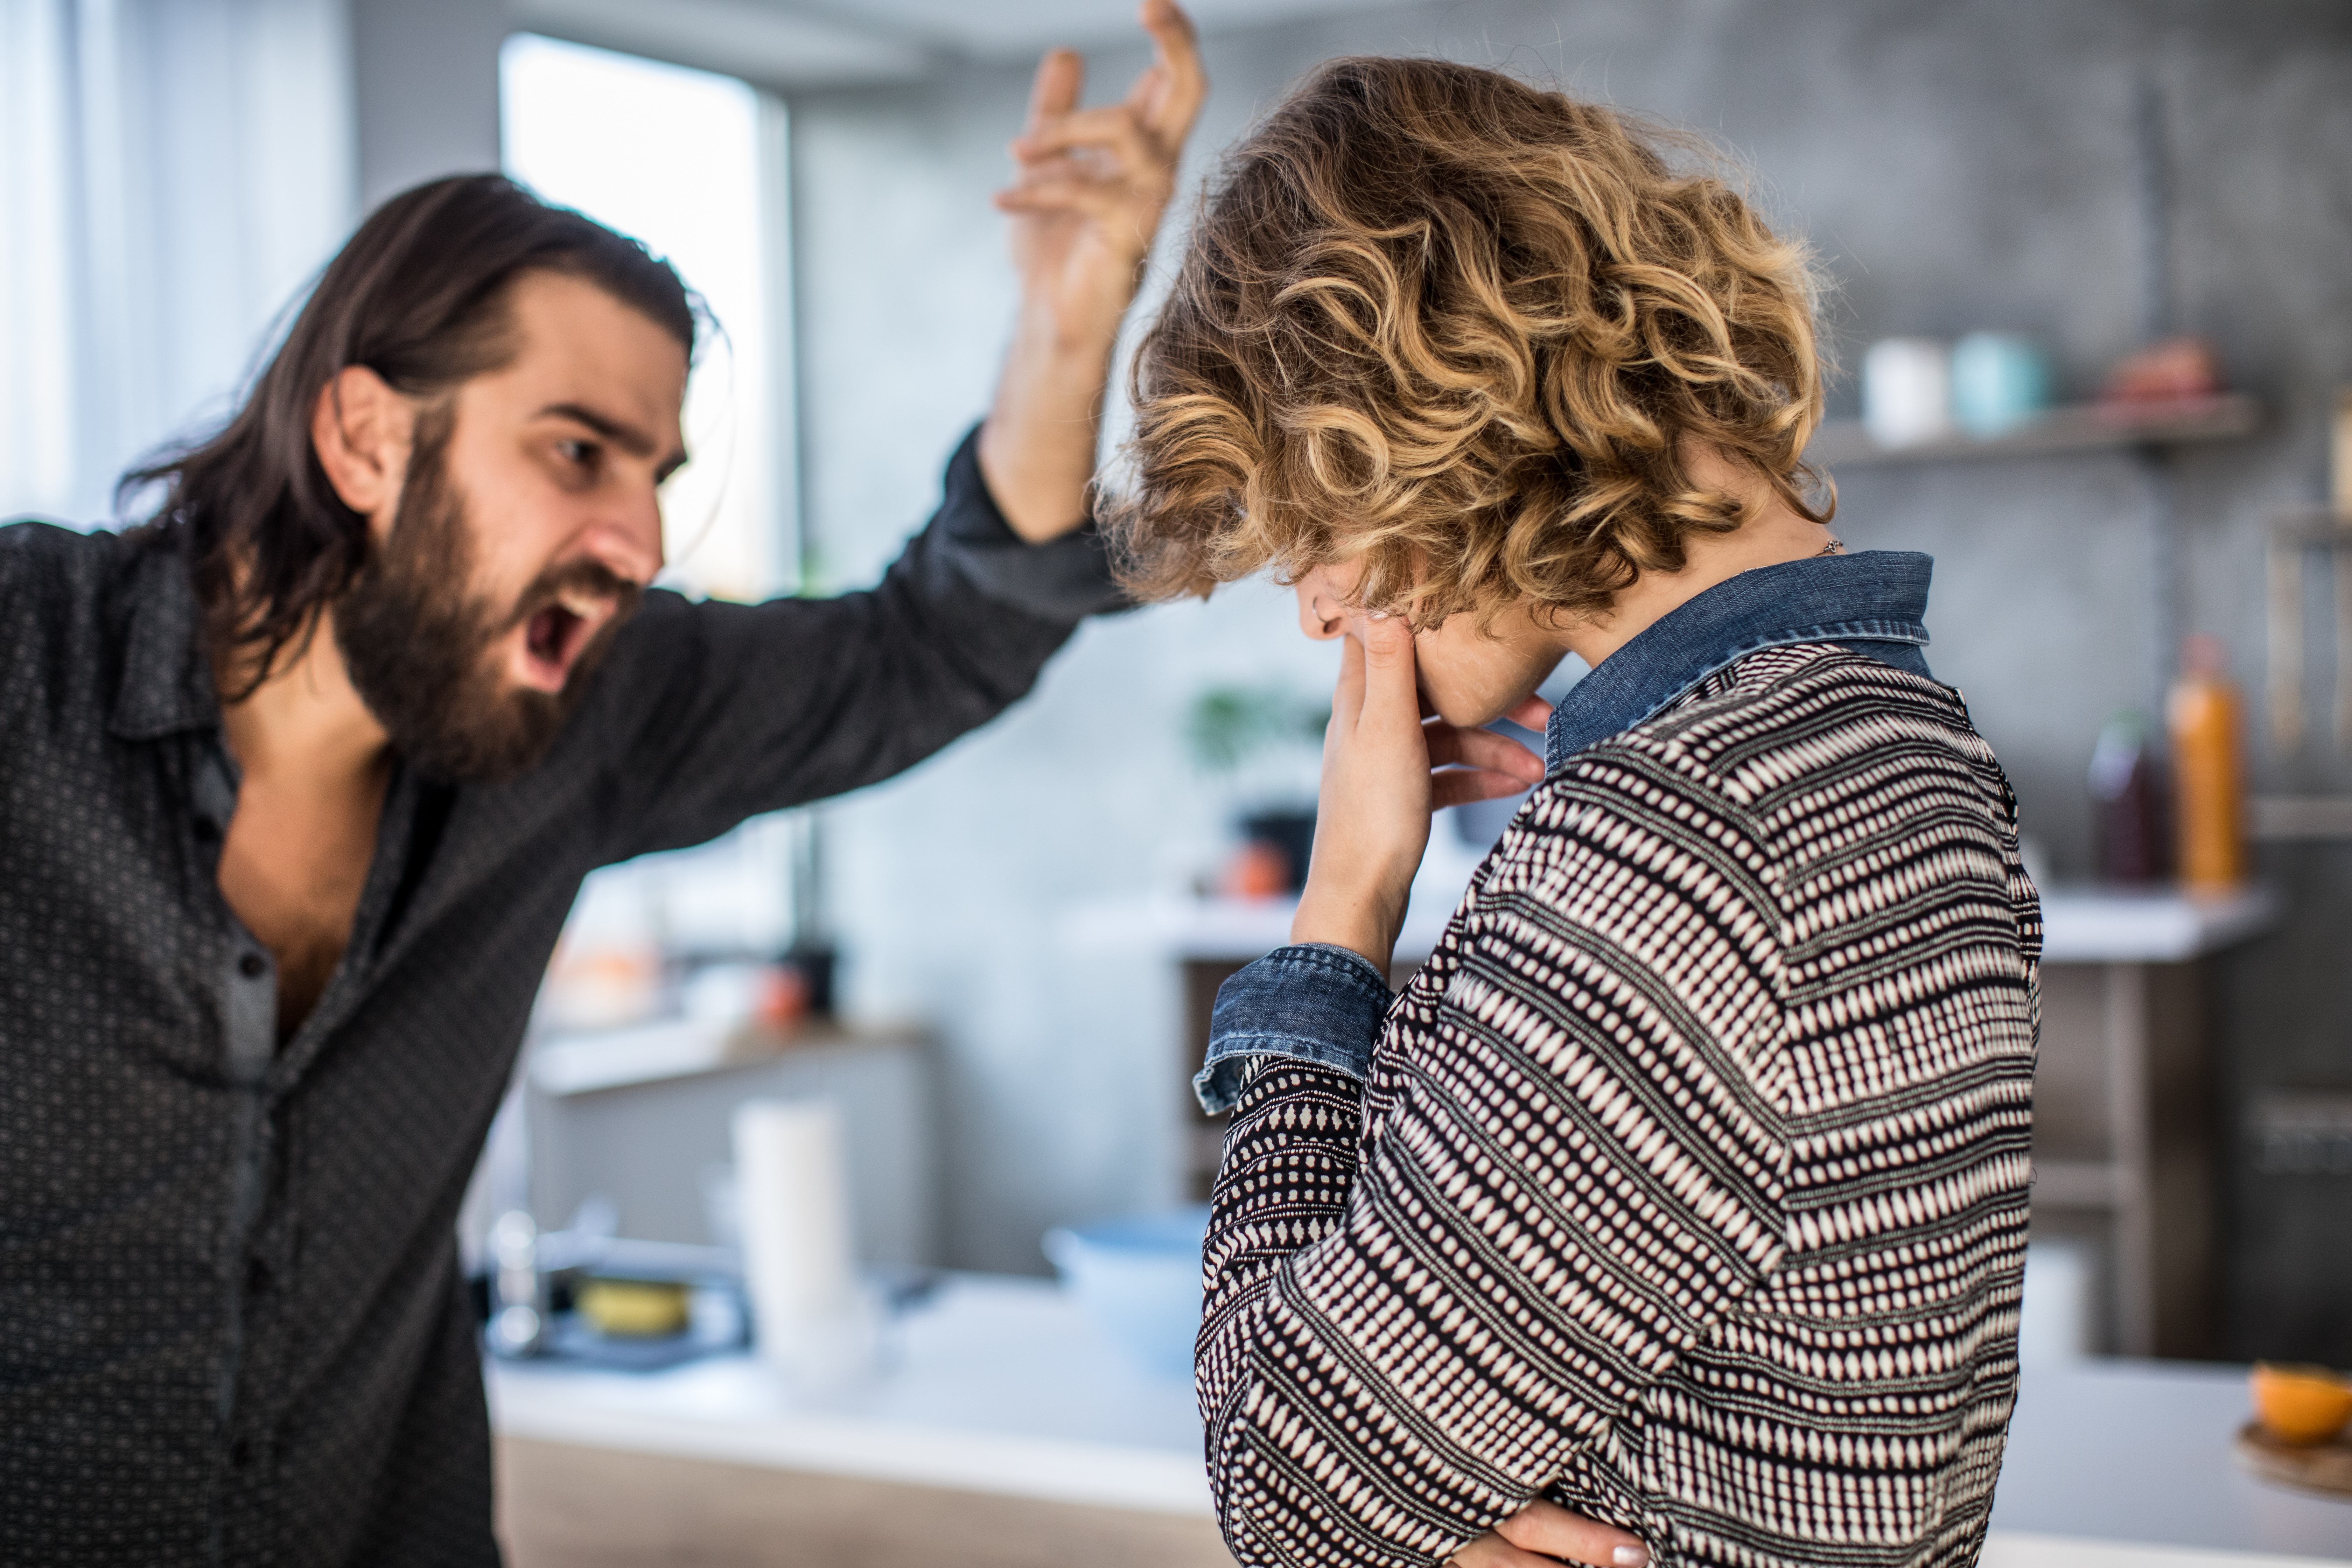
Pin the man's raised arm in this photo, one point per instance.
(714, 713)
(1093, 185)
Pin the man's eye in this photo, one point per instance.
(580, 453)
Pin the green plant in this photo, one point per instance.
(1229, 725)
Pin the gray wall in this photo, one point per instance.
(1962, 165)
(426, 90)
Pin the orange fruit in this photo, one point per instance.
(2301, 1404)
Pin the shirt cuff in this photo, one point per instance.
(1065, 579)
(1313, 1002)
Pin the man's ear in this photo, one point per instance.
(361, 428)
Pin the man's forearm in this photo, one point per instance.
(1037, 450)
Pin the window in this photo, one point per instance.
(691, 162)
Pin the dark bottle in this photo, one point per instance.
(2130, 826)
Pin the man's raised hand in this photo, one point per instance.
(1092, 185)
(1094, 182)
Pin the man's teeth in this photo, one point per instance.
(587, 606)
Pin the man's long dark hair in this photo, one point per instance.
(418, 295)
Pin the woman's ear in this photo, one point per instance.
(361, 428)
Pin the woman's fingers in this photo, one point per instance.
(1392, 694)
(1483, 748)
(1347, 693)
(1491, 1551)
(1460, 786)
(1371, 819)
(1533, 714)
(1552, 1530)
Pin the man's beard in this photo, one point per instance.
(420, 645)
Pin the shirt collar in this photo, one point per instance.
(1875, 597)
(167, 681)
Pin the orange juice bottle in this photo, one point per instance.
(2208, 770)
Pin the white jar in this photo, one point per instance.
(1907, 390)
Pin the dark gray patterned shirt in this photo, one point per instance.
(1687, 1184)
(232, 1328)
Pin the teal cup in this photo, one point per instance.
(2000, 381)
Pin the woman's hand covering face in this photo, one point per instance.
(1385, 768)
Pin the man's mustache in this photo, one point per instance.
(575, 580)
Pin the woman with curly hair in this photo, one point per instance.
(1675, 1210)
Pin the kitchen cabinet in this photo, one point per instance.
(641, 1117)
(2124, 1107)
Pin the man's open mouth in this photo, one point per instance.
(556, 633)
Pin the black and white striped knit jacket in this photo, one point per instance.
(1689, 1185)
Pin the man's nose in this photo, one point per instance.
(627, 540)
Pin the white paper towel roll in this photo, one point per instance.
(792, 1194)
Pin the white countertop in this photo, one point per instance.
(2140, 1451)
(2080, 925)
(996, 1383)
(1001, 1384)
(2112, 925)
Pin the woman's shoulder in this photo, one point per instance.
(1792, 719)
(1738, 773)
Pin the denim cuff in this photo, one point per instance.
(1313, 1002)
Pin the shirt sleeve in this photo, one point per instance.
(1565, 1169)
(712, 712)
(1311, 1002)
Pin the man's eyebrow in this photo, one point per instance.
(626, 437)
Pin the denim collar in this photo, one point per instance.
(1874, 602)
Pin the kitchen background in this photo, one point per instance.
(2098, 174)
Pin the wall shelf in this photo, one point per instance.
(2085, 427)
(2299, 819)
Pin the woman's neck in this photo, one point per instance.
(1775, 534)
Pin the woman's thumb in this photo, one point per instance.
(1390, 692)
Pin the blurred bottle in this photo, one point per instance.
(2339, 488)
(2128, 823)
(2209, 770)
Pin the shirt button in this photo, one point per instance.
(251, 966)
(206, 830)
(256, 1277)
(240, 1453)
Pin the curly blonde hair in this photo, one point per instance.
(1462, 330)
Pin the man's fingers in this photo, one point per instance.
(1086, 196)
(1171, 103)
(1053, 92)
(1115, 129)
(1484, 749)
(1552, 1530)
